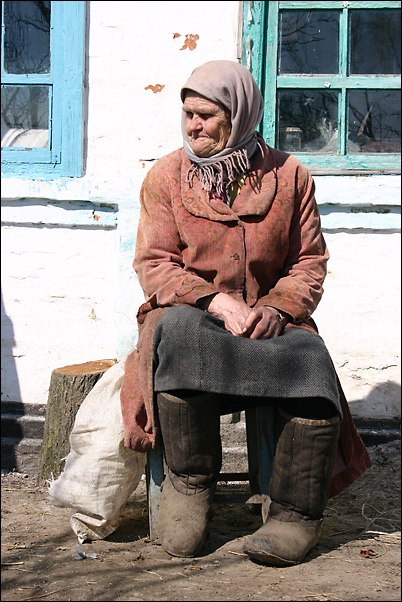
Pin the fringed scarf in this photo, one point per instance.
(232, 85)
(221, 174)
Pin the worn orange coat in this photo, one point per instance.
(267, 249)
(268, 246)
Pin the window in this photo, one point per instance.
(330, 76)
(42, 61)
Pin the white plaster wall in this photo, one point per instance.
(129, 125)
(359, 315)
(359, 319)
(70, 294)
(59, 289)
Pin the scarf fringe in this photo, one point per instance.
(221, 174)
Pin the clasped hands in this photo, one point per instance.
(262, 322)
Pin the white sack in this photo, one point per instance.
(100, 473)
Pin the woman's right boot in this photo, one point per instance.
(299, 490)
(190, 428)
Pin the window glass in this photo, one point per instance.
(330, 77)
(27, 37)
(25, 116)
(308, 41)
(308, 121)
(375, 41)
(374, 121)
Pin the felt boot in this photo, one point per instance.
(299, 490)
(190, 427)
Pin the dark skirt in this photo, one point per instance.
(192, 350)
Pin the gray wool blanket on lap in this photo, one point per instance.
(193, 350)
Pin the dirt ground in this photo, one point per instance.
(39, 554)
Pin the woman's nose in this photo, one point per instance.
(194, 123)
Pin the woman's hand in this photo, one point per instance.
(231, 311)
(138, 433)
(240, 320)
(264, 322)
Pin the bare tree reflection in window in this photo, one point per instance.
(314, 113)
(27, 37)
(375, 121)
(309, 42)
(25, 108)
(375, 42)
(25, 116)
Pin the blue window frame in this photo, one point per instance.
(330, 73)
(42, 69)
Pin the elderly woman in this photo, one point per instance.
(231, 258)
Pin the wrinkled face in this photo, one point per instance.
(207, 125)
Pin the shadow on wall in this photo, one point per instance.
(387, 396)
(10, 390)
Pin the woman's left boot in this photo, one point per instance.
(190, 427)
(299, 490)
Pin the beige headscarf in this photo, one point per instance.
(232, 85)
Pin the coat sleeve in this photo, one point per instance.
(158, 258)
(299, 288)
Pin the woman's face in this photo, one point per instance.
(207, 125)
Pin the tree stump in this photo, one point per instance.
(68, 388)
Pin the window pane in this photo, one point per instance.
(374, 121)
(25, 116)
(375, 41)
(308, 41)
(308, 121)
(27, 37)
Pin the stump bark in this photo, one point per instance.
(68, 388)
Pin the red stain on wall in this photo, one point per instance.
(190, 42)
(155, 89)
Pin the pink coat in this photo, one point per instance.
(269, 245)
(267, 248)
